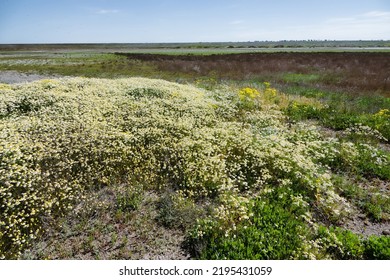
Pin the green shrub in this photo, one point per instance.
(343, 244)
(299, 112)
(129, 199)
(357, 119)
(177, 211)
(272, 232)
(352, 245)
(373, 162)
(167, 213)
(378, 206)
(377, 248)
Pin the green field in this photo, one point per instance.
(139, 155)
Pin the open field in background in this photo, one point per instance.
(381, 44)
(360, 71)
(349, 71)
(238, 154)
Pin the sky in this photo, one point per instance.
(152, 21)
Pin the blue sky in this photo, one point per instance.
(133, 21)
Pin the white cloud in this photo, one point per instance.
(373, 25)
(377, 14)
(104, 11)
(340, 20)
(236, 22)
(369, 17)
(370, 25)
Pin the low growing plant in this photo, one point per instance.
(227, 163)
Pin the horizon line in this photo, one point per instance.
(198, 42)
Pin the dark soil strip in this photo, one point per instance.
(359, 71)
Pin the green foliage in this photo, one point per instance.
(368, 199)
(378, 206)
(352, 244)
(373, 162)
(298, 112)
(363, 118)
(360, 159)
(377, 248)
(337, 120)
(308, 92)
(167, 211)
(301, 78)
(340, 243)
(129, 199)
(178, 211)
(343, 244)
(275, 230)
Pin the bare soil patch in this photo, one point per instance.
(15, 77)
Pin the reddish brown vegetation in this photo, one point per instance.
(359, 71)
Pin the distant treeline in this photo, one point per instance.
(202, 45)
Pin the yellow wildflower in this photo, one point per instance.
(383, 113)
(248, 93)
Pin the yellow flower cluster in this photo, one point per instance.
(383, 113)
(248, 93)
(269, 91)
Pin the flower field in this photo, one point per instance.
(240, 172)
